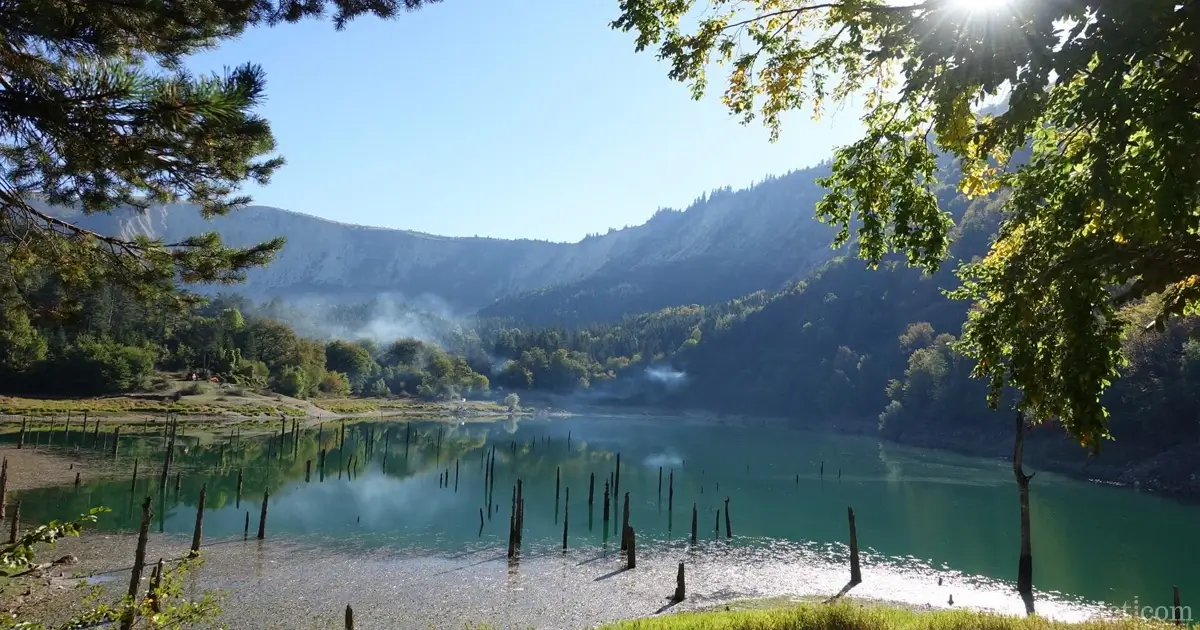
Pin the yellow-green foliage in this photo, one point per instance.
(848, 617)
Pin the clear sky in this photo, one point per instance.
(513, 119)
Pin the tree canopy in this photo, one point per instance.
(1098, 153)
(99, 112)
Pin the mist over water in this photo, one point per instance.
(921, 516)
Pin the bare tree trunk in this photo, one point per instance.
(1025, 564)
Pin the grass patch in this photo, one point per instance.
(844, 616)
(346, 406)
(126, 405)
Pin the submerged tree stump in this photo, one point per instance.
(198, 532)
(349, 617)
(631, 544)
(617, 478)
(625, 523)
(262, 518)
(680, 589)
(671, 493)
(855, 569)
(566, 517)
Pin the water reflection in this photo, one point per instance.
(420, 487)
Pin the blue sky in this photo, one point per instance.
(515, 119)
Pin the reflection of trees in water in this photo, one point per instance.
(411, 449)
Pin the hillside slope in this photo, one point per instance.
(676, 257)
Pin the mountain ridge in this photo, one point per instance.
(727, 243)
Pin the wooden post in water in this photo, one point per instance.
(238, 503)
(480, 521)
(456, 461)
(21, 437)
(349, 617)
(15, 530)
(167, 456)
(96, 433)
(178, 480)
(855, 570)
(566, 517)
(3, 486)
(660, 486)
(694, 514)
(591, 488)
(116, 439)
(512, 525)
(625, 522)
(568, 441)
(139, 563)
(630, 544)
(520, 512)
(407, 438)
(671, 494)
(717, 528)
(262, 518)
(67, 429)
(617, 478)
(492, 490)
(1178, 608)
(246, 527)
(680, 589)
(557, 489)
(76, 480)
(438, 460)
(198, 532)
(728, 529)
(605, 506)
(307, 470)
(133, 484)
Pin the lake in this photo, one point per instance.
(418, 492)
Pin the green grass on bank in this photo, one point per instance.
(849, 617)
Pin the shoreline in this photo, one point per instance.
(312, 582)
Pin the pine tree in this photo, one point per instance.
(97, 113)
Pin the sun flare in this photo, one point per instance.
(976, 6)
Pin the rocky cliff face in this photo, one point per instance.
(726, 244)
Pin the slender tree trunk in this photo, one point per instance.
(1025, 564)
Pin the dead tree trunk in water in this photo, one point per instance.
(139, 562)
(198, 533)
(1025, 564)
